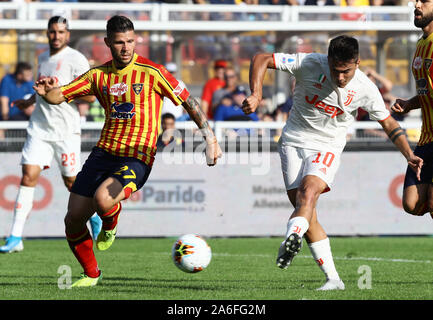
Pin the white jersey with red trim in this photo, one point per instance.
(57, 122)
(322, 112)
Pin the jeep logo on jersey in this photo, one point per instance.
(333, 111)
(122, 111)
(118, 89)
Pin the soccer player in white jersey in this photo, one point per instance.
(54, 130)
(329, 90)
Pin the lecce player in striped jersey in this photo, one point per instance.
(131, 89)
(418, 194)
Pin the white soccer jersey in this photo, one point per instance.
(57, 122)
(322, 112)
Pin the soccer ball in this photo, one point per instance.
(191, 253)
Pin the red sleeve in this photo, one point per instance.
(207, 92)
(172, 88)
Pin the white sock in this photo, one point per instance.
(297, 225)
(321, 251)
(23, 205)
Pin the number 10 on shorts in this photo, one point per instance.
(327, 159)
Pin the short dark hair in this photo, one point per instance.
(22, 66)
(167, 115)
(119, 24)
(343, 48)
(58, 19)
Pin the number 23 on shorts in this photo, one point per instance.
(68, 160)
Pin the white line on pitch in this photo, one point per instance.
(335, 258)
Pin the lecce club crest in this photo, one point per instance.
(137, 87)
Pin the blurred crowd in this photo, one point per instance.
(217, 15)
(237, 2)
(221, 99)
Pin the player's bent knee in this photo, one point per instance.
(29, 181)
(103, 204)
(415, 210)
(72, 221)
(307, 197)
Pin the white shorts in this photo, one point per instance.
(67, 154)
(296, 163)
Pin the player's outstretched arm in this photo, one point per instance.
(398, 137)
(258, 66)
(47, 88)
(404, 106)
(213, 150)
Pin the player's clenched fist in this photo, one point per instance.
(250, 104)
(400, 106)
(45, 84)
(416, 164)
(213, 151)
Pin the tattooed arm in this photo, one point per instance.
(213, 150)
(198, 116)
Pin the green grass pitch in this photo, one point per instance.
(241, 269)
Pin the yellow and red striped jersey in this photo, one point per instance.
(132, 98)
(423, 73)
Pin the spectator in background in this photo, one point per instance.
(137, 14)
(230, 108)
(168, 134)
(18, 85)
(63, 11)
(379, 16)
(353, 16)
(384, 85)
(212, 85)
(354, 3)
(231, 83)
(168, 106)
(319, 3)
(279, 2)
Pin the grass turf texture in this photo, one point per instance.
(241, 269)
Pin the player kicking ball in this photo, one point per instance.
(329, 90)
(131, 89)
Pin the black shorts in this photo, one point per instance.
(425, 152)
(100, 165)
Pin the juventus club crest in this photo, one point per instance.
(137, 87)
(350, 95)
